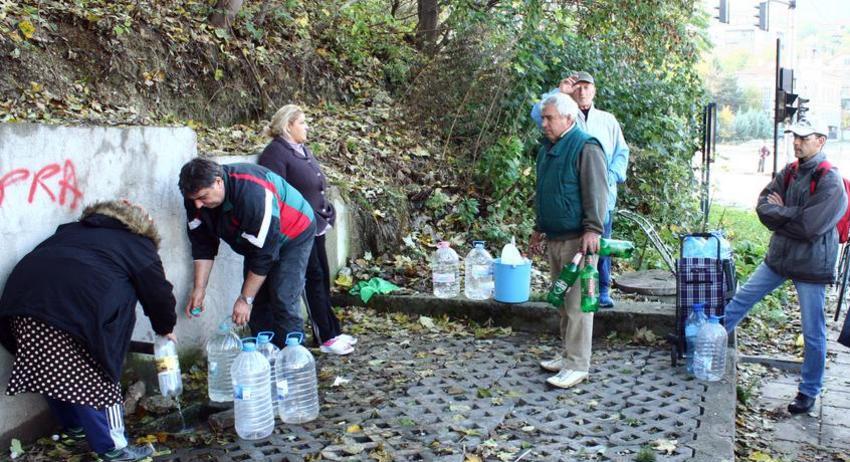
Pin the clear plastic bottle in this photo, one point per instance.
(445, 267)
(695, 321)
(222, 348)
(710, 355)
(269, 351)
(167, 367)
(297, 388)
(252, 400)
(478, 273)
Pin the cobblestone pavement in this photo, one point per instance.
(825, 430)
(448, 397)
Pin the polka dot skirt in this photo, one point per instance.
(50, 362)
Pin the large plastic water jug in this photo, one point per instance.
(510, 254)
(252, 399)
(710, 355)
(167, 367)
(222, 348)
(696, 319)
(297, 387)
(512, 282)
(478, 273)
(269, 351)
(445, 267)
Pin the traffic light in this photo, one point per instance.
(763, 16)
(802, 108)
(723, 11)
(785, 105)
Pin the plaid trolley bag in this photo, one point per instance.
(710, 281)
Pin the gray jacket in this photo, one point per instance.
(804, 244)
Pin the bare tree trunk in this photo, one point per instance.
(426, 30)
(225, 12)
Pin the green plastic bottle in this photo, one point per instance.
(589, 287)
(616, 248)
(568, 277)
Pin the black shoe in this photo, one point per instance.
(128, 454)
(801, 404)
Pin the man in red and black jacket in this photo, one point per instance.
(262, 218)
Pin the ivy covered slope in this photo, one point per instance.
(419, 108)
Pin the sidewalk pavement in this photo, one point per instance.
(445, 395)
(827, 427)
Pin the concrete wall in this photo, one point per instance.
(47, 176)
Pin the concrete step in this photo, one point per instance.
(537, 317)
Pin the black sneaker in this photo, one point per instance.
(801, 404)
(128, 454)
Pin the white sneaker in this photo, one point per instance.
(567, 378)
(553, 365)
(336, 346)
(347, 339)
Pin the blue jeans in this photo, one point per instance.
(812, 298)
(277, 306)
(604, 265)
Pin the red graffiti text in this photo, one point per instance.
(54, 181)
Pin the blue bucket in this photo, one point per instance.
(513, 282)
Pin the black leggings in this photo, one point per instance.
(317, 289)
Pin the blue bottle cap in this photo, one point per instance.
(478, 244)
(223, 327)
(294, 338)
(249, 344)
(699, 307)
(264, 337)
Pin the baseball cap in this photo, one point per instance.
(582, 76)
(806, 127)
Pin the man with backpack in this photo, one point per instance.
(804, 206)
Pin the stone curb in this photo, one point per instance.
(537, 317)
(716, 442)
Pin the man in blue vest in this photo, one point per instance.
(581, 87)
(570, 205)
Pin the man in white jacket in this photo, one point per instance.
(605, 128)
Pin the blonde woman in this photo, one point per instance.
(289, 157)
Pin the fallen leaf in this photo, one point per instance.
(666, 446)
(759, 456)
(339, 381)
(16, 449)
(353, 429)
(427, 322)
